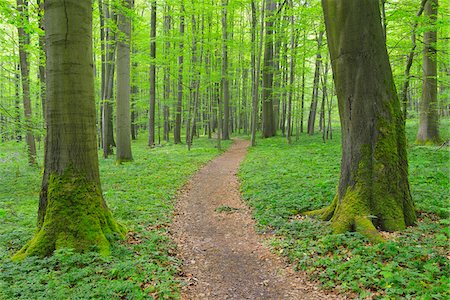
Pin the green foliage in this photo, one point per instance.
(140, 196)
(280, 181)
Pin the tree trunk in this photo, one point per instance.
(256, 65)
(167, 78)
(109, 47)
(315, 95)
(151, 112)
(225, 83)
(409, 62)
(373, 188)
(429, 119)
(291, 78)
(18, 129)
(24, 42)
(267, 92)
(72, 211)
(123, 117)
(42, 57)
(177, 129)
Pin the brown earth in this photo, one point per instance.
(224, 258)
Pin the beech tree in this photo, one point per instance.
(123, 118)
(24, 42)
(373, 189)
(429, 119)
(72, 212)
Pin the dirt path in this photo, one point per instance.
(223, 256)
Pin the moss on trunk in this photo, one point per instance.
(76, 217)
(373, 190)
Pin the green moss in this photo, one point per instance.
(76, 217)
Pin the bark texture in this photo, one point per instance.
(225, 82)
(72, 211)
(429, 119)
(267, 92)
(179, 107)
(24, 42)
(151, 119)
(373, 188)
(123, 116)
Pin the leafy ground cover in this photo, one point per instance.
(140, 196)
(281, 181)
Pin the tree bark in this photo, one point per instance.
(373, 188)
(167, 79)
(123, 116)
(409, 62)
(315, 95)
(225, 82)
(72, 211)
(291, 78)
(429, 119)
(24, 42)
(108, 69)
(177, 129)
(151, 112)
(267, 92)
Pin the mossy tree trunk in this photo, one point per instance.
(373, 188)
(72, 211)
(429, 119)
(123, 118)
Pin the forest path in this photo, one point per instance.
(223, 256)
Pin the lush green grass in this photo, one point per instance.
(280, 181)
(140, 195)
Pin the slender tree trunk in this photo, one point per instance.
(291, 78)
(267, 92)
(315, 95)
(109, 46)
(18, 129)
(409, 62)
(24, 42)
(225, 82)
(42, 56)
(151, 112)
(429, 119)
(72, 211)
(256, 63)
(373, 188)
(167, 78)
(302, 108)
(123, 117)
(177, 129)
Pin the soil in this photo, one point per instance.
(223, 257)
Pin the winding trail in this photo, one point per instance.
(223, 256)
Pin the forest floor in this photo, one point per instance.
(223, 257)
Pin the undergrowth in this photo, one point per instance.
(280, 181)
(139, 194)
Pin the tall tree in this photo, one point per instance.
(151, 119)
(429, 118)
(108, 45)
(123, 116)
(179, 107)
(225, 80)
(315, 94)
(373, 188)
(24, 42)
(267, 92)
(72, 211)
